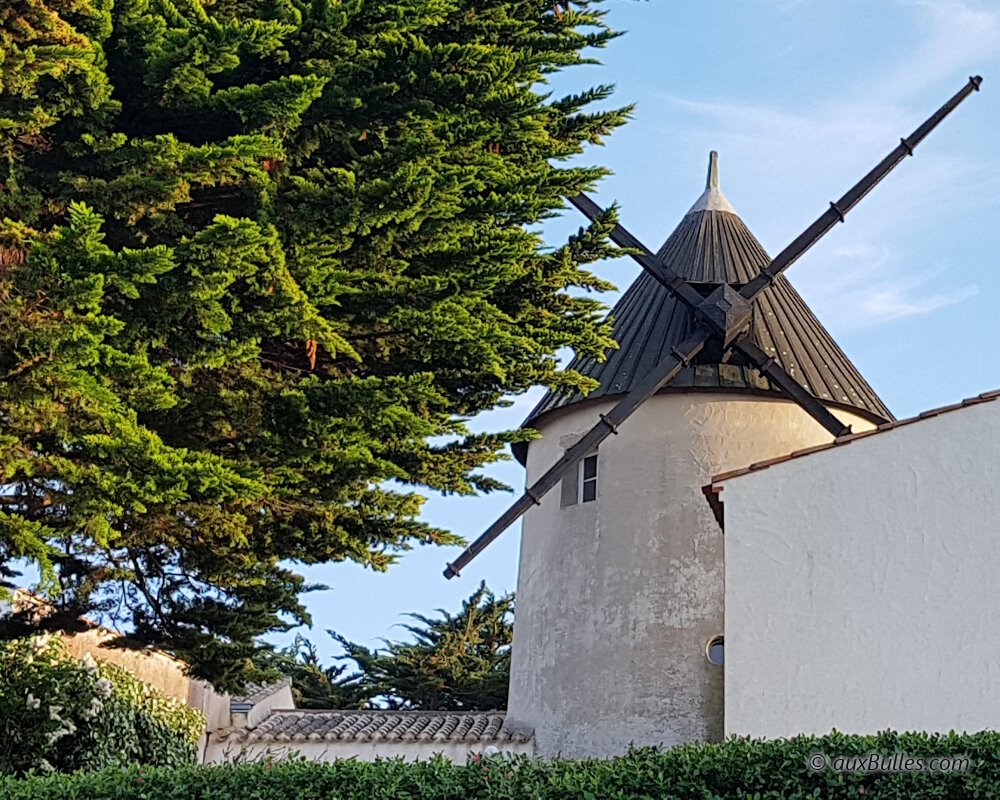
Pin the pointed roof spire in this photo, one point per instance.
(712, 182)
(712, 199)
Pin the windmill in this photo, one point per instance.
(721, 325)
(621, 595)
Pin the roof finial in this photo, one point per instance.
(712, 182)
(712, 199)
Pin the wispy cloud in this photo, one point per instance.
(864, 286)
(956, 35)
(793, 158)
(892, 301)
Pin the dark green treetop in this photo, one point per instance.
(259, 260)
(454, 662)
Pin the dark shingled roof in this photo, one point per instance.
(376, 725)
(712, 245)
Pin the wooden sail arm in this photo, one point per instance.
(666, 277)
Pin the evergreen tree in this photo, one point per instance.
(456, 661)
(313, 685)
(259, 260)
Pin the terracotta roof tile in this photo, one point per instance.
(376, 725)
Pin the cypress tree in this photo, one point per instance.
(457, 661)
(259, 262)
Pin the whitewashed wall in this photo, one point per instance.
(616, 599)
(863, 584)
(229, 752)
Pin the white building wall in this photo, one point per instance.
(230, 752)
(862, 584)
(617, 598)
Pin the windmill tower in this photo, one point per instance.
(620, 597)
(620, 591)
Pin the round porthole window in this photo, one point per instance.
(715, 651)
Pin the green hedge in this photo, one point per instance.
(733, 769)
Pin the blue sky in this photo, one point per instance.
(800, 98)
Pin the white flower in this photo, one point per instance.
(95, 708)
(104, 687)
(32, 702)
(54, 712)
(41, 641)
(89, 664)
(56, 735)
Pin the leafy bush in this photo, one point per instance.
(733, 769)
(60, 714)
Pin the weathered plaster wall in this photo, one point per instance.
(281, 698)
(215, 706)
(323, 751)
(861, 584)
(616, 599)
(152, 667)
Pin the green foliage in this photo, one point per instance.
(456, 661)
(777, 770)
(313, 685)
(259, 262)
(153, 728)
(62, 714)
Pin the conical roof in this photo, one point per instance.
(711, 246)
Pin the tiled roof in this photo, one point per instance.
(255, 692)
(985, 397)
(376, 725)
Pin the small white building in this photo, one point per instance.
(861, 581)
(266, 725)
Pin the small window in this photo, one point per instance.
(579, 485)
(588, 479)
(715, 651)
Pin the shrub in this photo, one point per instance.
(61, 714)
(733, 769)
